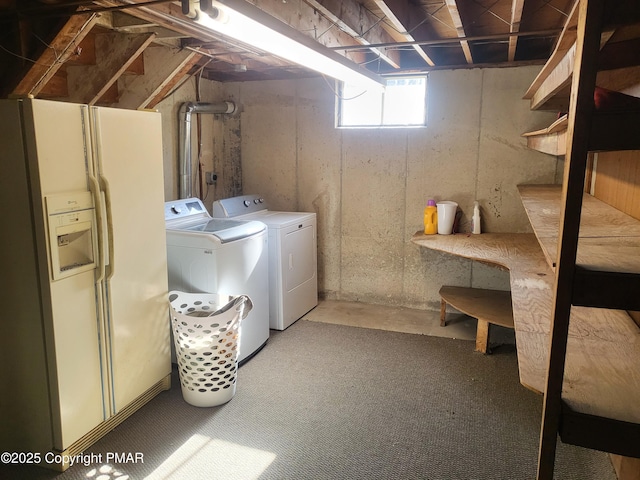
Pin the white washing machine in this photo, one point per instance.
(220, 256)
(293, 279)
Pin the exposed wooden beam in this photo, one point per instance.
(361, 24)
(231, 66)
(60, 50)
(162, 65)
(516, 17)
(122, 22)
(235, 59)
(452, 5)
(307, 20)
(399, 13)
(173, 81)
(56, 87)
(444, 41)
(168, 15)
(304, 19)
(115, 52)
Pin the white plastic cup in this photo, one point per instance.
(446, 216)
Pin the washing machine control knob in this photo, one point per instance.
(246, 203)
(261, 200)
(175, 209)
(255, 200)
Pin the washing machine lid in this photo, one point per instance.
(189, 216)
(227, 230)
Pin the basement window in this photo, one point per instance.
(402, 104)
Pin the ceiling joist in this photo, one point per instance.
(399, 13)
(384, 36)
(360, 24)
(452, 5)
(516, 17)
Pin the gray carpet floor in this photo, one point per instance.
(325, 401)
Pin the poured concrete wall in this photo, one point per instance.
(369, 187)
(215, 144)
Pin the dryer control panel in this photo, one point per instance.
(234, 206)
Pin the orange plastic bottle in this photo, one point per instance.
(430, 218)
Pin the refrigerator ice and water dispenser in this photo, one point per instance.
(72, 233)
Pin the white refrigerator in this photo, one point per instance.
(84, 339)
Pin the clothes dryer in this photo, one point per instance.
(292, 245)
(220, 256)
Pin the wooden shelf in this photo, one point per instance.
(551, 88)
(489, 307)
(493, 306)
(608, 259)
(601, 378)
(551, 140)
(555, 76)
(612, 128)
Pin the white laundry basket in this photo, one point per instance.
(206, 334)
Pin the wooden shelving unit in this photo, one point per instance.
(609, 250)
(576, 292)
(593, 249)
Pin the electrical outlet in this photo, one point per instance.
(210, 178)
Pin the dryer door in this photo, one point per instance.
(298, 256)
(299, 278)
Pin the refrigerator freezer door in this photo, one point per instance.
(128, 155)
(60, 132)
(25, 410)
(58, 155)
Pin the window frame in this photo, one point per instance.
(340, 100)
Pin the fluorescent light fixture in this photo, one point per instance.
(278, 38)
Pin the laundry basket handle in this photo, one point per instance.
(242, 303)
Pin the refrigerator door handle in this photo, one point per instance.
(106, 204)
(105, 198)
(99, 209)
(94, 187)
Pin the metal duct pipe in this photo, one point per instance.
(184, 119)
